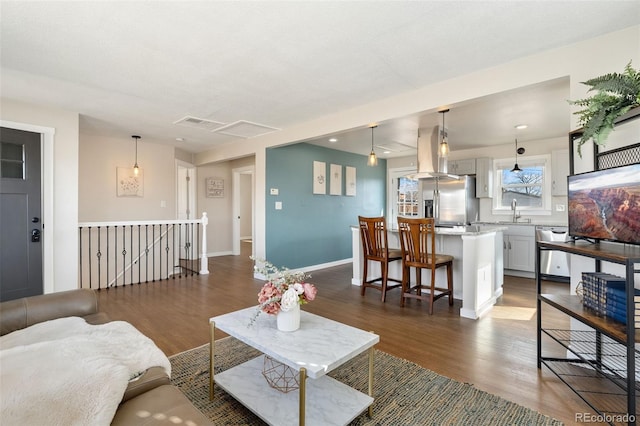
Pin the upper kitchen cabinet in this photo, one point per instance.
(462, 167)
(559, 172)
(484, 177)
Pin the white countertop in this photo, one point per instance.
(522, 223)
(465, 230)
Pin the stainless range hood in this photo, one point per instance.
(430, 166)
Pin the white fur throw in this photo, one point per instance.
(67, 372)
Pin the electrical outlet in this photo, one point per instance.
(278, 205)
(274, 191)
(559, 207)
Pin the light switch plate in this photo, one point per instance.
(274, 191)
(559, 207)
(278, 205)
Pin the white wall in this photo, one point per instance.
(218, 210)
(60, 190)
(99, 158)
(579, 61)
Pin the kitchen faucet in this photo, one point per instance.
(514, 207)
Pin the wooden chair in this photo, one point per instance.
(418, 245)
(373, 234)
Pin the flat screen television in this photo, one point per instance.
(605, 204)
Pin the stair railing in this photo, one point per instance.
(121, 253)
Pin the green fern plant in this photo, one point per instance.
(617, 94)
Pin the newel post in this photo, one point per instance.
(204, 262)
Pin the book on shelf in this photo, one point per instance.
(606, 294)
(595, 285)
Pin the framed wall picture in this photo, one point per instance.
(335, 179)
(319, 177)
(350, 181)
(214, 187)
(128, 184)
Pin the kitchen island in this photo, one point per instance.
(477, 264)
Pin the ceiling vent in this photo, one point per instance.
(245, 129)
(199, 123)
(395, 147)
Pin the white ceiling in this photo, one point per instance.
(138, 67)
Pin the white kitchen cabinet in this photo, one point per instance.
(519, 244)
(559, 171)
(462, 167)
(484, 177)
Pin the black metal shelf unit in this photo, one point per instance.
(601, 362)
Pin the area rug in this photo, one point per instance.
(405, 393)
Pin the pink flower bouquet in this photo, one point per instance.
(283, 289)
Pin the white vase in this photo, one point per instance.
(289, 320)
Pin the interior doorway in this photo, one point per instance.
(186, 180)
(185, 190)
(243, 208)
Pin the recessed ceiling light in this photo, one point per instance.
(521, 126)
(386, 152)
(180, 139)
(333, 140)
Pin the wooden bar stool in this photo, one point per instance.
(373, 234)
(418, 246)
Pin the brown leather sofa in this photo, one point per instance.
(149, 400)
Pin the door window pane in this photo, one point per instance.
(11, 160)
(408, 197)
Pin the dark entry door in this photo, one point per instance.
(20, 214)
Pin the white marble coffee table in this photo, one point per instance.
(319, 346)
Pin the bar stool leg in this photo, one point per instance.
(450, 282)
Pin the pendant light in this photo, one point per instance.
(136, 169)
(517, 169)
(373, 160)
(443, 149)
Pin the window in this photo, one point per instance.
(11, 160)
(404, 196)
(530, 188)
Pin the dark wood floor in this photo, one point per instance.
(496, 353)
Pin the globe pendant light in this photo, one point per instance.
(443, 149)
(373, 160)
(136, 169)
(517, 169)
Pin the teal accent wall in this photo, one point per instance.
(313, 229)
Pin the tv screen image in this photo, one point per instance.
(605, 204)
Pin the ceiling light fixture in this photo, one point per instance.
(516, 168)
(136, 169)
(521, 126)
(443, 149)
(333, 140)
(373, 160)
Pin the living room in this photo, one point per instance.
(79, 166)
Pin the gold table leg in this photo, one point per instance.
(212, 325)
(371, 351)
(303, 382)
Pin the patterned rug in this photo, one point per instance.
(405, 393)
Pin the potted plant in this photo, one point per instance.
(616, 94)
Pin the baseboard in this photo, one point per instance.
(219, 253)
(522, 274)
(311, 268)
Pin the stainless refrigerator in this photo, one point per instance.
(451, 202)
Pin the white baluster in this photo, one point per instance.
(204, 262)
